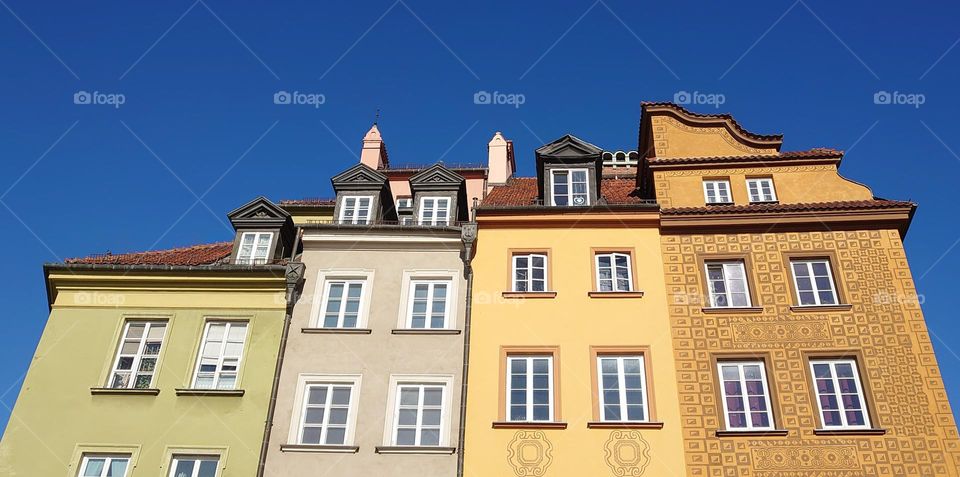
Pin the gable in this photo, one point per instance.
(258, 212)
(359, 177)
(436, 177)
(569, 147)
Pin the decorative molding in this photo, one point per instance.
(627, 453)
(745, 170)
(530, 453)
(781, 331)
(803, 456)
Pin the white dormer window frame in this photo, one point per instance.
(254, 248)
(717, 191)
(356, 209)
(760, 189)
(405, 202)
(574, 187)
(434, 210)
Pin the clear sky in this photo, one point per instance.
(198, 132)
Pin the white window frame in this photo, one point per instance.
(304, 381)
(404, 203)
(431, 284)
(808, 263)
(139, 355)
(108, 458)
(758, 183)
(347, 283)
(529, 279)
(393, 400)
(726, 283)
(714, 184)
(622, 388)
(324, 277)
(743, 396)
(354, 217)
(836, 386)
(569, 182)
(434, 210)
(193, 457)
(613, 270)
(450, 276)
(529, 386)
(217, 374)
(254, 258)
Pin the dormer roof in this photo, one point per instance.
(359, 177)
(259, 212)
(436, 177)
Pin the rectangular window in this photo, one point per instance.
(104, 465)
(220, 353)
(356, 210)
(419, 415)
(342, 300)
(530, 388)
(570, 187)
(194, 466)
(746, 399)
(435, 211)
(254, 248)
(325, 415)
(404, 203)
(761, 190)
(727, 282)
(840, 395)
(813, 281)
(613, 272)
(137, 355)
(429, 304)
(622, 388)
(530, 272)
(717, 192)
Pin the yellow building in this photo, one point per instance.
(571, 367)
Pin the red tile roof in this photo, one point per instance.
(681, 109)
(522, 191)
(809, 207)
(308, 202)
(205, 254)
(619, 172)
(815, 153)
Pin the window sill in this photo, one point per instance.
(763, 202)
(424, 331)
(414, 450)
(630, 294)
(803, 308)
(523, 295)
(209, 392)
(767, 433)
(319, 449)
(732, 309)
(624, 425)
(849, 432)
(343, 331)
(122, 391)
(719, 203)
(529, 425)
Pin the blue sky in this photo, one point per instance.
(198, 120)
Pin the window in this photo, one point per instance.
(622, 388)
(220, 353)
(194, 466)
(761, 190)
(137, 355)
(342, 299)
(717, 192)
(254, 248)
(570, 187)
(530, 272)
(404, 203)
(839, 394)
(746, 399)
(355, 210)
(326, 411)
(727, 282)
(435, 211)
(530, 388)
(104, 465)
(613, 272)
(418, 415)
(429, 304)
(813, 281)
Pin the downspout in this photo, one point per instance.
(468, 235)
(294, 274)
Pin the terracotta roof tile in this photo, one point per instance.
(815, 153)
(522, 191)
(809, 207)
(726, 116)
(205, 254)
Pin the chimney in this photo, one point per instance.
(374, 153)
(500, 162)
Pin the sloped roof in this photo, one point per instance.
(808, 207)
(203, 254)
(522, 191)
(815, 153)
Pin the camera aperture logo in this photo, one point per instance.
(299, 98)
(899, 98)
(697, 97)
(98, 98)
(496, 97)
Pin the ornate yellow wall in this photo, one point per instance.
(673, 138)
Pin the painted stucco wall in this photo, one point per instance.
(674, 138)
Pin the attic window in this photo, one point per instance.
(356, 210)
(569, 187)
(254, 248)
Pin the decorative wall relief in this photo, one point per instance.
(805, 457)
(626, 453)
(529, 453)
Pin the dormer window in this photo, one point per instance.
(761, 190)
(254, 248)
(717, 192)
(434, 211)
(570, 187)
(404, 203)
(356, 209)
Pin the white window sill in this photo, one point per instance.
(625, 425)
(320, 449)
(529, 294)
(732, 309)
(841, 307)
(529, 425)
(425, 331)
(615, 294)
(124, 391)
(209, 392)
(343, 331)
(751, 433)
(415, 450)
